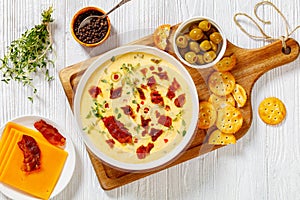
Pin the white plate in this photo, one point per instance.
(194, 98)
(67, 171)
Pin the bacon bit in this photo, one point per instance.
(165, 121)
(145, 131)
(136, 140)
(106, 105)
(115, 93)
(172, 89)
(167, 108)
(143, 151)
(138, 108)
(94, 91)
(160, 69)
(117, 130)
(144, 71)
(151, 81)
(146, 110)
(157, 114)
(142, 102)
(128, 111)
(155, 133)
(152, 68)
(144, 87)
(145, 122)
(180, 101)
(141, 93)
(31, 153)
(111, 143)
(166, 140)
(162, 75)
(175, 85)
(156, 98)
(50, 133)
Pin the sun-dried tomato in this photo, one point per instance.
(156, 98)
(143, 151)
(141, 93)
(111, 143)
(31, 153)
(50, 133)
(117, 130)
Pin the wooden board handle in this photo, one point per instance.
(259, 61)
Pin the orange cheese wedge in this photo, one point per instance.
(39, 183)
(15, 137)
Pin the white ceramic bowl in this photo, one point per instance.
(166, 158)
(183, 29)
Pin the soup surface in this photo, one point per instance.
(136, 107)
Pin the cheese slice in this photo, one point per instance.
(6, 136)
(39, 183)
(15, 137)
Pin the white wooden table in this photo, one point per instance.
(264, 164)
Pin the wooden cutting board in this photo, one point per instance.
(251, 64)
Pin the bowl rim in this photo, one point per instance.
(175, 151)
(81, 11)
(191, 20)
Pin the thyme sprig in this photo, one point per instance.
(28, 55)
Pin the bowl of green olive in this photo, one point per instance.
(199, 42)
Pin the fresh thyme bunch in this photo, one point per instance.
(28, 55)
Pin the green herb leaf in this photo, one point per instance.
(28, 54)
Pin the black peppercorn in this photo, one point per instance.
(90, 33)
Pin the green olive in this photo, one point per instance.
(181, 42)
(196, 34)
(214, 46)
(204, 25)
(190, 57)
(216, 37)
(205, 45)
(209, 56)
(200, 59)
(194, 46)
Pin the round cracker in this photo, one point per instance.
(272, 111)
(240, 95)
(218, 100)
(221, 83)
(208, 115)
(161, 35)
(226, 63)
(219, 138)
(229, 120)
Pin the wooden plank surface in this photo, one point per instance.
(264, 164)
(251, 64)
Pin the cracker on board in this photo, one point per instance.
(229, 119)
(219, 138)
(240, 95)
(227, 63)
(208, 115)
(272, 111)
(218, 100)
(221, 83)
(161, 35)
